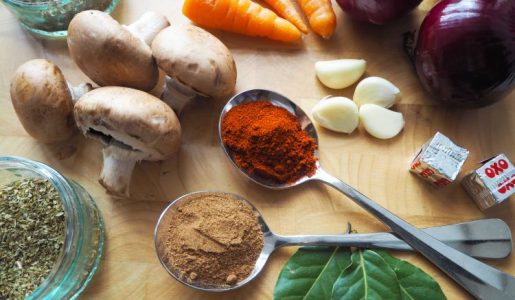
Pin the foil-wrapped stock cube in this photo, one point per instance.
(439, 161)
(492, 183)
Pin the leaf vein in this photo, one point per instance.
(321, 272)
(362, 263)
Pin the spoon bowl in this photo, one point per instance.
(160, 244)
(470, 237)
(277, 100)
(479, 279)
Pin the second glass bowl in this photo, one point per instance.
(50, 18)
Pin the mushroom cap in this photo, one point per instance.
(42, 101)
(110, 54)
(197, 59)
(130, 119)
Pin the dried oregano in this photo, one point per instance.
(31, 235)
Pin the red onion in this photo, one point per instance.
(377, 11)
(465, 52)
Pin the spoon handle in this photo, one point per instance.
(479, 279)
(487, 238)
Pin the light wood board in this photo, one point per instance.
(379, 169)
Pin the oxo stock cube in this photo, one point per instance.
(491, 184)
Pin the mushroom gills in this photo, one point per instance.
(108, 140)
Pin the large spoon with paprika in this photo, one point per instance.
(479, 279)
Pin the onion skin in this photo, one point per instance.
(377, 11)
(465, 52)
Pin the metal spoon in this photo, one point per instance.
(479, 279)
(487, 238)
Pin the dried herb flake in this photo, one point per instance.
(31, 235)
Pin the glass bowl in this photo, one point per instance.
(84, 230)
(50, 18)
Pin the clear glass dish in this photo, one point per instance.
(84, 230)
(50, 18)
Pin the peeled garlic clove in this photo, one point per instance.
(380, 122)
(340, 73)
(376, 90)
(337, 113)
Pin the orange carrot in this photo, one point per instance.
(241, 16)
(288, 10)
(320, 15)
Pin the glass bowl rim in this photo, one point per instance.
(23, 3)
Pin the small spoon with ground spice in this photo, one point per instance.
(274, 143)
(215, 241)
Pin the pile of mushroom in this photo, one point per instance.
(43, 100)
(196, 62)
(131, 124)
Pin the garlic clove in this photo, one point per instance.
(380, 122)
(337, 113)
(376, 90)
(340, 73)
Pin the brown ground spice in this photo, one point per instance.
(214, 239)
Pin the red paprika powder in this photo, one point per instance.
(268, 141)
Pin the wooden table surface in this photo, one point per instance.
(379, 169)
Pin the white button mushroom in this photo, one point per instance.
(132, 125)
(112, 54)
(337, 113)
(43, 100)
(196, 62)
(376, 90)
(380, 122)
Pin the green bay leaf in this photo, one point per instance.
(415, 284)
(310, 273)
(369, 277)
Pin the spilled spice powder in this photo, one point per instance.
(268, 141)
(214, 239)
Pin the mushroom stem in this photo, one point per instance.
(148, 26)
(117, 169)
(177, 95)
(78, 91)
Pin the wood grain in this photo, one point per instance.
(130, 269)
